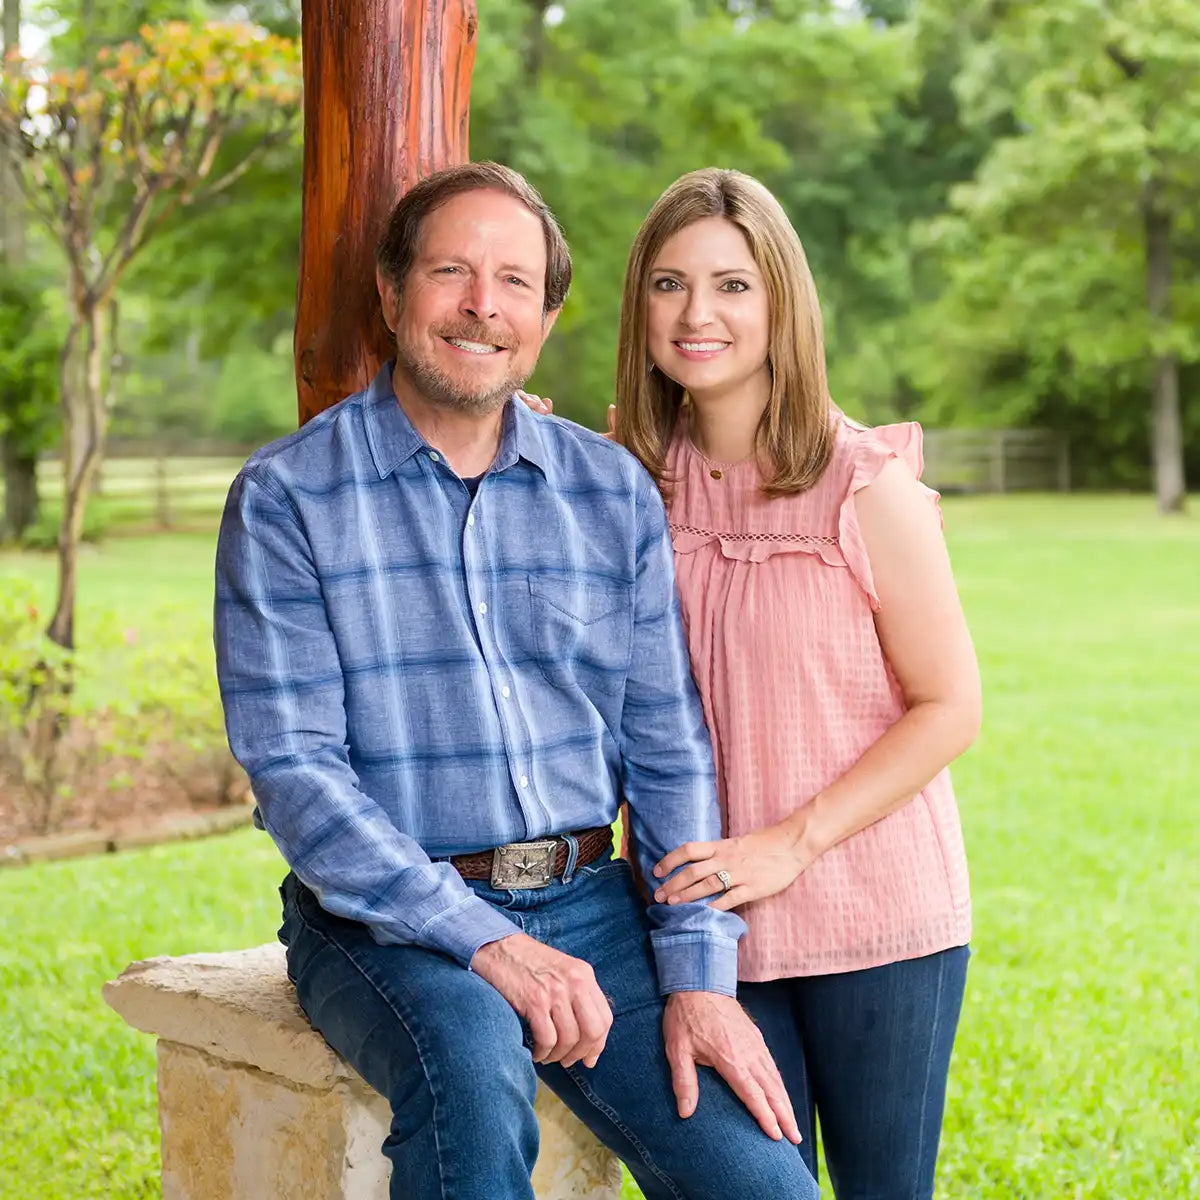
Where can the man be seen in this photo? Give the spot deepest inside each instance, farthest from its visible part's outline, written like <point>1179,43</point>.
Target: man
<point>448,645</point>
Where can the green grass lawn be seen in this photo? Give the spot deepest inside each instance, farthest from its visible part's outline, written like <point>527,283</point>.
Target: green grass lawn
<point>1077,1072</point>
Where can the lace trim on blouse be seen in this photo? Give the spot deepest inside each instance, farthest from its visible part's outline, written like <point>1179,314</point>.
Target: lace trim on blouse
<point>745,536</point>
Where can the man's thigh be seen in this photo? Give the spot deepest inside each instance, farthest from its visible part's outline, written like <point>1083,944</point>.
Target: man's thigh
<point>627,1099</point>
<point>438,1042</point>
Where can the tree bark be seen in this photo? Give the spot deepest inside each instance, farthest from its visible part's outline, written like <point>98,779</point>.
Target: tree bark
<point>83,450</point>
<point>386,97</point>
<point>1167,423</point>
<point>20,490</point>
<point>12,208</point>
<point>20,471</point>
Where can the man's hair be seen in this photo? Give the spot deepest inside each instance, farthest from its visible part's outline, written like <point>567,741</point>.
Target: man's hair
<point>398,247</point>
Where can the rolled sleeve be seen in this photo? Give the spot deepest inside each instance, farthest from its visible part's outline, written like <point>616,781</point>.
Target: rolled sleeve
<point>695,962</point>
<point>465,928</point>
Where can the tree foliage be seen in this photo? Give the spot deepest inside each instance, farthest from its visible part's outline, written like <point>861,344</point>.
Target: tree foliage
<point>110,150</point>
<point>969,177</point>
<point>1045,253</point>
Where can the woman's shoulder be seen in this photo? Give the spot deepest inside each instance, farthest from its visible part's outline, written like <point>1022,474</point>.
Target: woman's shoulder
<point>860,451</point>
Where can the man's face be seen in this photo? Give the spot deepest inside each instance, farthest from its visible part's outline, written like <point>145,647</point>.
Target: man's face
<point>469,319</point>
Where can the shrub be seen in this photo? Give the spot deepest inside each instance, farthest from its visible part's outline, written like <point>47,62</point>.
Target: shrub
<point>128,710</point>
<point>43,534</point>
<point>41,726</point>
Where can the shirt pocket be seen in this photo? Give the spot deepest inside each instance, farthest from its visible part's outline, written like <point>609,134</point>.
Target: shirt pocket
<point>582,631</point>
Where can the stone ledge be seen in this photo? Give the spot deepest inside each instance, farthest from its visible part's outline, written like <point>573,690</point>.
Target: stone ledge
<point>254,1105</point>
<point>237,1006</point>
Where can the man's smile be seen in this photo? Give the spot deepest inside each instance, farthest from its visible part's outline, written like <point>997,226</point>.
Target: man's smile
<point>473,347</point>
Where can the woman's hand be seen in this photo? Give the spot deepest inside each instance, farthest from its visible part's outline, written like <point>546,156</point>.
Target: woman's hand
<point>544,406</point>
<point>758,864</point>
<point>538,404</point>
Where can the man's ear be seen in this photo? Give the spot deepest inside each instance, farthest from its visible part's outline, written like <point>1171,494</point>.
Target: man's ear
<point>548,320</point>
<point>389,298</point>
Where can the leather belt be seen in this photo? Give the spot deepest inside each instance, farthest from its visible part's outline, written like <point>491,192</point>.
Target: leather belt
<point>532,864</point>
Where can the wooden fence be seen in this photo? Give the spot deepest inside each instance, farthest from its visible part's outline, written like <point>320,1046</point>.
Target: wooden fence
<point>142,490</point>
<point>997,460</point>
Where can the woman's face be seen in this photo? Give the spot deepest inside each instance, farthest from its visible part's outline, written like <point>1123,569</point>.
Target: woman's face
<point>708,320</point>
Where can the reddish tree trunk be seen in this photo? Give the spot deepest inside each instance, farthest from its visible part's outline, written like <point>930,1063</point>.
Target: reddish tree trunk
<point>386,94</point>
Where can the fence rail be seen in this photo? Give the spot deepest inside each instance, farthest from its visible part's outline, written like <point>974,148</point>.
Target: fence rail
<point>997,460</point>
<point>186,490</point>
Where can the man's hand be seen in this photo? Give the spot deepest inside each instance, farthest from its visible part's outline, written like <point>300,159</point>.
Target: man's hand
<point>567,1012</point>
<point>709,1030</point>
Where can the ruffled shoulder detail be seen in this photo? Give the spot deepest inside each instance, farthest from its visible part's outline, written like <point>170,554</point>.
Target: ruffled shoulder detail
<point>869,451</point>
<point>756,547</point>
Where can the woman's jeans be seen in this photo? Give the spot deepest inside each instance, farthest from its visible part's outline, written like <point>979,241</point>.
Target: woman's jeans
<point>452,1057</point>
<point>867,1053</point>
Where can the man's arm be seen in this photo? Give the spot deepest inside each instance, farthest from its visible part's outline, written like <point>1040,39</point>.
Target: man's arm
<point>669,782</point>
<point>667,767</point>
<point>283,691</point>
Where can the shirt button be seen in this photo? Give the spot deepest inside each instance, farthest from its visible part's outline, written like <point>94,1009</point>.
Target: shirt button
<point>524,781</point>
<point>470,518</point>
<point>483,610</point>
<point>506,691</point>
<point>434,456</point>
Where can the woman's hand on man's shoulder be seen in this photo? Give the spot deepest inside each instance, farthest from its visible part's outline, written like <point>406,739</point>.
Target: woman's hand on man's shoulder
<point>544,406</point>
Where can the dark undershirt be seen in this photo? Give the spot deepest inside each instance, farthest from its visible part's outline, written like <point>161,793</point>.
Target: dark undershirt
<point>473,483</point>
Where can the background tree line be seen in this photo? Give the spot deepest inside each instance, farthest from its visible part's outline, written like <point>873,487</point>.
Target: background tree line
<point>998,201</point>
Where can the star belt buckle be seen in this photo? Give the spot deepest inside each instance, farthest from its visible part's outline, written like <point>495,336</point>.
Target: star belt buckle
<point>524,864</point>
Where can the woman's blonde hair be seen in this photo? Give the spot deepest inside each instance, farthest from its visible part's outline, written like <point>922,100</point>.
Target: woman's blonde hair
<point>795,436</point>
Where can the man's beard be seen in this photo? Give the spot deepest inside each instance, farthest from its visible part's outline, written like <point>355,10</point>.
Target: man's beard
<point>441,388</point>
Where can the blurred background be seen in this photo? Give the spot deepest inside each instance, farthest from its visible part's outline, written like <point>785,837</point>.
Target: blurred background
<point>999,202</point>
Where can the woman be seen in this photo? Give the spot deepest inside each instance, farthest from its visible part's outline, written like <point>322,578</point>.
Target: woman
<point>836,670</point>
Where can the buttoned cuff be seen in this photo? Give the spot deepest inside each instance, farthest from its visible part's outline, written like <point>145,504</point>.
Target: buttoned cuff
<point>695,962</point>
<point>461,930</point>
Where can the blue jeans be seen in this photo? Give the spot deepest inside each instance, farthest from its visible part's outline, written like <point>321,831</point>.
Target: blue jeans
<point>868,1053</point>
<point>453,1059</point>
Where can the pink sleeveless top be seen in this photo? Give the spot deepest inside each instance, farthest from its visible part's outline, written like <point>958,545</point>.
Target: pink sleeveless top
<point>778,603</point>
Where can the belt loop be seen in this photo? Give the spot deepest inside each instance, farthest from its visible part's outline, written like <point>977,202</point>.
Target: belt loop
<point>572,856</point>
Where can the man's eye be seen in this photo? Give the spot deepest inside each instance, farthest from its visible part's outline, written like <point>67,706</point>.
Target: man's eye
<point>448,270</point>
<point>517,280</point>
<point>735,285</point>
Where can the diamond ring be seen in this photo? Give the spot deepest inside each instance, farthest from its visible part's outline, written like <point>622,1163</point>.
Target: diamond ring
<point>726,881</point>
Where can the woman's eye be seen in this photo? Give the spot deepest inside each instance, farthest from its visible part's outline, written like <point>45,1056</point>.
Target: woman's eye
<point>666,284</point>
<point>735,285</point>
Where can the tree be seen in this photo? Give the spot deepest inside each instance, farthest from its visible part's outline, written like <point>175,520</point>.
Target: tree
<point>110,151</point>
<point>20,426</point>
<point>1063,255</point>
<point>28,394</point>
<point>603,105</point>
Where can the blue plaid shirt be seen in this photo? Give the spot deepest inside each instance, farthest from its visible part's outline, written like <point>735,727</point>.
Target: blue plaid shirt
<point>410,672</point>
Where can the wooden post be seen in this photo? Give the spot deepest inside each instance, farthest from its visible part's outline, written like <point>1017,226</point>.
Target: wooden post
<point>386,100</point>
<point>1064,463</point>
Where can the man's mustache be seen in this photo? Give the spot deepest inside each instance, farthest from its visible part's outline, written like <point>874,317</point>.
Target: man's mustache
<point>478,331</point>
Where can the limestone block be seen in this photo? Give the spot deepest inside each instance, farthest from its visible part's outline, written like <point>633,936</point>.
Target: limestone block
<point>239,1006</point>
<point>232,1132</point>
<point>253,1104</point>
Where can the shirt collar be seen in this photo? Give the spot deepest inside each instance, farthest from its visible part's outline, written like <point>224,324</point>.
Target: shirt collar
<point>394,440</point>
